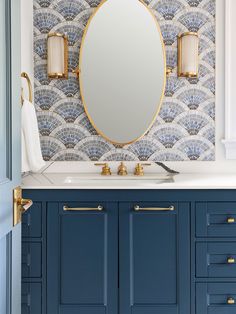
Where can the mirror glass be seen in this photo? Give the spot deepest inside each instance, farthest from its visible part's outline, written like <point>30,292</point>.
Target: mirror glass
<point>122,70</point>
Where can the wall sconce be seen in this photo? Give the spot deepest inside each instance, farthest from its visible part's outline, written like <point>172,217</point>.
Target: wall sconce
<point>57,50</point>
<point>188,54</point>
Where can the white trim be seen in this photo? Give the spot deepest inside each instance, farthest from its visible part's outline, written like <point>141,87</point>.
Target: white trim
<point>230,86</point>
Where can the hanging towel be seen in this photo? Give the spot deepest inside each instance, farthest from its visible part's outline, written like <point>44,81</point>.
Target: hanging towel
<point>24,159</point>
<point>32,159</point>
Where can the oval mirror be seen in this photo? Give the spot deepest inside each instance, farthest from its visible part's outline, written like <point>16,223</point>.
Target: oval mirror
<point>122,70</point>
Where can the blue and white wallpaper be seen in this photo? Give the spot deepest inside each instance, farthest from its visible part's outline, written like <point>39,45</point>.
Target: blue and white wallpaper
<point>185,127</point>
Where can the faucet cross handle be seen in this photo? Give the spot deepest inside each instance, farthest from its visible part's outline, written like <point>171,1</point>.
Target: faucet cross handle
<point>122,170</point>
<point>106,170</point>
<point>139,171</point>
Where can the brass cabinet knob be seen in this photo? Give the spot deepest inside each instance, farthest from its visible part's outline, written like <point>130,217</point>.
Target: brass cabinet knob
<point>106,171</point>
<point>139,171</point>
<point>231,220</point>
<point>231,301</point>
<point>122,170</point>
<point>231,260</point>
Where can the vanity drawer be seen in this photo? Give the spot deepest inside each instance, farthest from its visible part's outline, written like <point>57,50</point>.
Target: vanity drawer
<point>216,259</point>
<point>215,298</point>
<point>31,260</point>
<point>216,219</point>
<point>32,222</point>
<point>31,298</point>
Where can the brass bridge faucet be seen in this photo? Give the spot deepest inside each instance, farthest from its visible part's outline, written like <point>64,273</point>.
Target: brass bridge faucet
<point>139,171</point>
<point>122,170</point>
<point>106,171</point>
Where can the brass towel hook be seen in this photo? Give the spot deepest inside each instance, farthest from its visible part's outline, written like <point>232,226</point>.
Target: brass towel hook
<point>26,76</point>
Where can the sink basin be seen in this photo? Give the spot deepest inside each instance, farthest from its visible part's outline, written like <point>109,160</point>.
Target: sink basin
<point>91,179</point>
<point>115,178</point>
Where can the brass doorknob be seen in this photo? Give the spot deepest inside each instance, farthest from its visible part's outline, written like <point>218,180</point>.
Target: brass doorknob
<point>20,205</point>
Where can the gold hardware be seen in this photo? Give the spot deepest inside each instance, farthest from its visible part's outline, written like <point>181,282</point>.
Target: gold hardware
<point>180,72</point>
<point>231,301</point>
<point>137,208</point>
<point>106,171</point>
<point>169,70</point>
<point>20,205</point>
<point>26,76</point>
<point>63,75</point>
<point>139,171</point>
<point>231,220</point>
<point>99,208</point>
<point>76,71</point>
<point>231,260</point>
<point>81,83</point>
<point>122,170</point>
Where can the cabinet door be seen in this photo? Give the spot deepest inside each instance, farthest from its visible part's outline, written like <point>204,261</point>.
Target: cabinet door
<point>154,258</point>
<point>82,258</point>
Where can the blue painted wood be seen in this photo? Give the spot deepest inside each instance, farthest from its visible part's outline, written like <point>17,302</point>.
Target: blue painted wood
<point>211,298</point>
<point>10,157</point>
<point>31,298</point>
<point>82,259</point>
<point>31,259</point>
<point>131,195</point>
<point>32,221</point>
<point>154,277</point>
<point>212,259</point>
<point>140,250</point>
<point>211,219</point>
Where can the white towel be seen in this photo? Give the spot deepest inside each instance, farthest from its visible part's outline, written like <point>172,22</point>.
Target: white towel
<point>32,159</point>
<point>24,160</point>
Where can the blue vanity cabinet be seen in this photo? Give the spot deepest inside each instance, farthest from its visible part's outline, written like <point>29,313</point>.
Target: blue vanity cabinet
<point>79,258</point>
<point>82,263</point>
<point>154,258</point>
<point>34,259</point>
<point>215,253</point>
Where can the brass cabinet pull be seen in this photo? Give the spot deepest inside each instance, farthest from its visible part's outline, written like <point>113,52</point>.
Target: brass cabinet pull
<point>231,301</point>
<point>231,220</point>
<point>138,208</point>
<point>231,260</point>
<point>99,208</point>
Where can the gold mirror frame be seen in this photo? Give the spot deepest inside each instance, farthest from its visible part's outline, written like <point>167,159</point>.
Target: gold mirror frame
<point>81,85</point>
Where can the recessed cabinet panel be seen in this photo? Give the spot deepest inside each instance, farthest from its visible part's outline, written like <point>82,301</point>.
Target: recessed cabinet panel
<point>213,298</point>
<point>82,258</point>
<point>154,259</point>
<point>31,302</point>
<point>216,219</point>
<point>32,222</point>
<point>216,259</point>
<point>31,260</point>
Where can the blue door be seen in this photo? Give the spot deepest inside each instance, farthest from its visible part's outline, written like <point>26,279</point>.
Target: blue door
<point>154,258</point>
<point>10,236</point>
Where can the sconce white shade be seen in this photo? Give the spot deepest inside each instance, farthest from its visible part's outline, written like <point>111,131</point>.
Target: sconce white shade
<point>188,54</point>
<point>57,50</point>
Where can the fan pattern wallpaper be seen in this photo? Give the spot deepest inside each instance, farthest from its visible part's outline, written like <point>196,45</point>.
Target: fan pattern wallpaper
<point>185,127</point>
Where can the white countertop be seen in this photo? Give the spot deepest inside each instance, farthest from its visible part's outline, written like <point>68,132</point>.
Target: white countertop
<point>181,181</point>
<point>82,175</point>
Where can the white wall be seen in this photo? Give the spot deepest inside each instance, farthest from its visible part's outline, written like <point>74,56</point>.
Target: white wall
<point>27,41</point>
